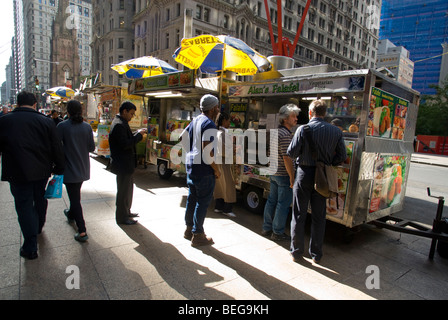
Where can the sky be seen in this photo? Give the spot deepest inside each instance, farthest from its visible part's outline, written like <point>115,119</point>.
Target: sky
<point>6,34</point>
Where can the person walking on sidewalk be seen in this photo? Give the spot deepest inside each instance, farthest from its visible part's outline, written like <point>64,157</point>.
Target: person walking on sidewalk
<point>330,149</point>
<point>31,152</point>
<point>77,141</point>
<point>201,169</point>
<point>123,160</point>
<point>225,192</point>
<point>280,196</point>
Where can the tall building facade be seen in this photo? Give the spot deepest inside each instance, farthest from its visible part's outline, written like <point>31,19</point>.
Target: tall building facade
<point>112,37</point>
<point>336,32</point>
<point>38,17</point>
<point>81,12</point>
<point>65,71</point>
<point>421,26</point>
<point>18,52</point>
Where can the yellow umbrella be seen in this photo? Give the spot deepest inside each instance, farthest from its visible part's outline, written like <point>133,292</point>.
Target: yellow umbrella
<point>63,92</point>
<point>143,67</point>
<point>211,54</point>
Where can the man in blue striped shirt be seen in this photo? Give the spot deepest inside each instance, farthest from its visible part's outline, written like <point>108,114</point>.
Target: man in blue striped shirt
<point>330,147</point>
<point>280,193</point>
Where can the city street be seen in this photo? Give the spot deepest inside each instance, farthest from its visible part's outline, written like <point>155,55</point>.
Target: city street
<point>152,260</point>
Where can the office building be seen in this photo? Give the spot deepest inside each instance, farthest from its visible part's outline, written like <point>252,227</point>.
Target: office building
<point>421,26</point>
<point>38,17</point>
<point>112,37</point>
<point>396,59</point>
<point>18,52</point>
<point>336,32</point>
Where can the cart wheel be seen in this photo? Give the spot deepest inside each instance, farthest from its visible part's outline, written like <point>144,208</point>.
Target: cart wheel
<point>253,199</point>
<point>163,171</point>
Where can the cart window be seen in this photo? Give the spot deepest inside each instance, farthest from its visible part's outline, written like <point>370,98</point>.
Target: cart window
<point>344,111</point>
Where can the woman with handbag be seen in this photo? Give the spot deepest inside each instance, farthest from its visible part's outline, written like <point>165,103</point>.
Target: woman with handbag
<point>77,140</point>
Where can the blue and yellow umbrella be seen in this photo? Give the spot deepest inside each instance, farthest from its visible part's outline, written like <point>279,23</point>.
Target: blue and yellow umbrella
<point>62,92</point>
<point>211,54</point>
<point>143,67</point>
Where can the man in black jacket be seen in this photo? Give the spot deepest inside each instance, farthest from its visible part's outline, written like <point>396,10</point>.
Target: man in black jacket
<point>123,160</point>
<point>31,151</point>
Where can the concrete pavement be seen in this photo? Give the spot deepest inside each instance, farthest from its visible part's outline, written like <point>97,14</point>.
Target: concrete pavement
<point>152,260</point>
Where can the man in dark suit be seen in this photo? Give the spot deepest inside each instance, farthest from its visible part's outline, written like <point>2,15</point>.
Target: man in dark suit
<point>31,151</point>
<point>123,157</point>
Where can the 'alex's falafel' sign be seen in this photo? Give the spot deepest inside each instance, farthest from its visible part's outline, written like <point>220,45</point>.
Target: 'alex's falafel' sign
<point>387,115</point>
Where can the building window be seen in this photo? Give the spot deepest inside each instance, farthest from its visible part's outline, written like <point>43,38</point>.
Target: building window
<point>199,12</point>
<point>120,43</point>
<point>226,22</point>
<point>206,14</point>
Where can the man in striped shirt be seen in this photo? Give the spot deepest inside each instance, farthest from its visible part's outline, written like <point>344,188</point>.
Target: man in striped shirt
<point>330,147</point>
<point>280,194</point>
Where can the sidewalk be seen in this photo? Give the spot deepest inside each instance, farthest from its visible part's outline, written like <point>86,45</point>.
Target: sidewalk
<point>431,159</point>
<point>152,260</point>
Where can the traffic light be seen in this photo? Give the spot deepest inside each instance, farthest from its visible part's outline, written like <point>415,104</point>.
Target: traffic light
<point>36,83</point>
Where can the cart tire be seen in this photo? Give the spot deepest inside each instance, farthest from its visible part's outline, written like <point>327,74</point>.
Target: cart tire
<point>163,171</point>
<point>254,200</point>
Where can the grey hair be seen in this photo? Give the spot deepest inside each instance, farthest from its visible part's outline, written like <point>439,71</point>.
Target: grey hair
<point>286,111</point>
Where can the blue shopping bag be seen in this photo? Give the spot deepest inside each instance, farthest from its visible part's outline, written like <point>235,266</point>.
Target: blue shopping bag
<point>54,187</point>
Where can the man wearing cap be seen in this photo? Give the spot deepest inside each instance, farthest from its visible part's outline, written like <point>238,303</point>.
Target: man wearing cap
<point>201,169</point>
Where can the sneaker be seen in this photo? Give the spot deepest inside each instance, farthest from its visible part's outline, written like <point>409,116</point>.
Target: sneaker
<point>266,233</point>
<point>229,214</point>
<point>280,237</point>
<point>200,239</point>
<point>81,238</point>
<point>217,211</point>
<point>188,234</point>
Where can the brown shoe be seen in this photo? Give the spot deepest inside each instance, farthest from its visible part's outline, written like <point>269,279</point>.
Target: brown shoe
<point>200,239</point>
<point>188,234</point>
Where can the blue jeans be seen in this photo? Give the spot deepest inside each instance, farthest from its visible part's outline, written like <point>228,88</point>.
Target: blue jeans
<point>199,197</point>
<point>305,194</point>
<point>277,206</point>
<point>31,208</point>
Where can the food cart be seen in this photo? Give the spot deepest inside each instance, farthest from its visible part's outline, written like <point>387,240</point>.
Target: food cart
<point>172,101</point>
<point>376,114</point>
<point>103,103</point>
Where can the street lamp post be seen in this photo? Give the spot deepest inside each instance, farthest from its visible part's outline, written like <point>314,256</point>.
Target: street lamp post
<point>36,79</point>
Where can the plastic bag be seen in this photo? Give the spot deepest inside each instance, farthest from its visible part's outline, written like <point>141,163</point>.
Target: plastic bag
<point>54,187</point>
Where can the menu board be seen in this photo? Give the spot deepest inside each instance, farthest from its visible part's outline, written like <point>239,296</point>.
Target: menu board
<point>387,115</point>
<point>388,177</point>
<point>103,140</point>
<point>238,115</point>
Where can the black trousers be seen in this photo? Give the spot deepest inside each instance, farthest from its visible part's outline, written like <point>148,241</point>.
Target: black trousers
<point>31,208</point>
<point>125,191</point>
<point>75,211</point>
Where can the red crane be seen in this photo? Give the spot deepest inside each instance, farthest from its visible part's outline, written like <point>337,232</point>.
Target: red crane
<point>284,47</point>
